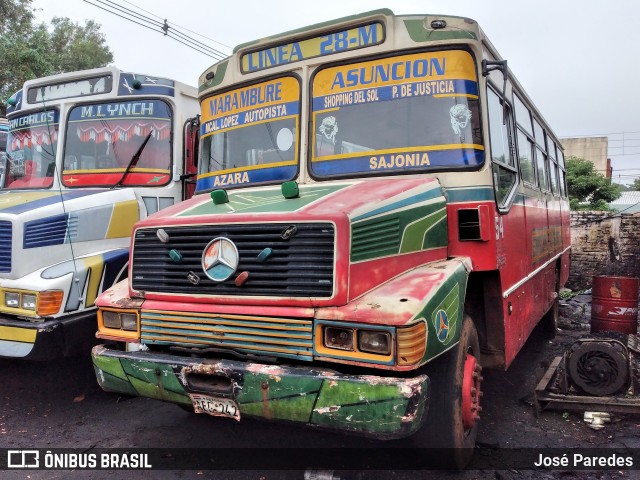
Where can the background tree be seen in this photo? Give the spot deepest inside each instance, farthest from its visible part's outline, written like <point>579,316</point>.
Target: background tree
<point>636,184</point>
<point>588,189</point>
<point>622,187</point>
<point>31,51</point>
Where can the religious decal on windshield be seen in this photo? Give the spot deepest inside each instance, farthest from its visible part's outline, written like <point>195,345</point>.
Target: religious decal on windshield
<point>460,116</point>
<point>329,128</point>
<point>408,113</point>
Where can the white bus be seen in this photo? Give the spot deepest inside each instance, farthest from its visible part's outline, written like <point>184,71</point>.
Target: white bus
<point>88,154</point>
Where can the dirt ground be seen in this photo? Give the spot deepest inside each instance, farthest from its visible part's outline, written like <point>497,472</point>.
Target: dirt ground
<point>509,416</point>
<point>59,405</point>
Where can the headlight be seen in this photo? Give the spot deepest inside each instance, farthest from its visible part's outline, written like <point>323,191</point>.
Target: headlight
<point>129,321</point>
<point>355,342</point>
<point>340,338</point>
<point>120,320</point>
<point>111,319</point>
<point>43,304</point>
<point>29,301</point>
<point>12,299</point>
<point>374,342</point>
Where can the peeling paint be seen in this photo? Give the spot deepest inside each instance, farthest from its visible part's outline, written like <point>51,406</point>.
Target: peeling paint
<point>408,418</point>
<point>272,370</point>
<point>143,369</point>
<point>331,409</point>
<point>118,296</point>
<point>206,368</point>
<point>49,328</point>
<point>99,350</point>
<point>390,407</point>
<point>128,302</point>
<point>408,387</point>
<point>407,390</point>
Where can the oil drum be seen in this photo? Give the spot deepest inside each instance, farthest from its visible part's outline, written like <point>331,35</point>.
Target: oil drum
<point>614,305</point>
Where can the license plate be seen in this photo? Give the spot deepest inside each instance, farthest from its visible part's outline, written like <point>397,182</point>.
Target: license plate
<point>218,407</point>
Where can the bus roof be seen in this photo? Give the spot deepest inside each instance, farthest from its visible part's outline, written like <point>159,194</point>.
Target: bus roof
<point>61,87</point>
<point>419,29</point>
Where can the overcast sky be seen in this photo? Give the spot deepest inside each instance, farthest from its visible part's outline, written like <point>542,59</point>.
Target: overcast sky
<point>575,59</point>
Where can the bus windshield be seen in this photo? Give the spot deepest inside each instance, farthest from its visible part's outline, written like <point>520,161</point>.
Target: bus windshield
<point>406,113</point>
<point>103,138</point>
<point>31,146</point>
<point>250,135</point>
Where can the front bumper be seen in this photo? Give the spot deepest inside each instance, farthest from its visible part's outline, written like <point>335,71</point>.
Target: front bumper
<point>49,339</point>
<point>382,407</point>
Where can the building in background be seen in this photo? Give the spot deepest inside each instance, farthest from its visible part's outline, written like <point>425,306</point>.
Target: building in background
<point>593,149</point>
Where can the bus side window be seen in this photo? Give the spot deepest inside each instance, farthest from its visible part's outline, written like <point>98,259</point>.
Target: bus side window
<point>505,171</point>
<point>541,159</point>
<point>525,157</point>
<point>561,172</point>
<point>553,169</point>
<point>526,150</point>
<point>541,156</point>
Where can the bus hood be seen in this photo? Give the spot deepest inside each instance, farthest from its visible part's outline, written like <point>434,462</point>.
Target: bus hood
<point>334,239</point>
<point>349,200</point>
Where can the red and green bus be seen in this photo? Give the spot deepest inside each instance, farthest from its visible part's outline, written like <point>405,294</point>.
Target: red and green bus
<point>381,212</point>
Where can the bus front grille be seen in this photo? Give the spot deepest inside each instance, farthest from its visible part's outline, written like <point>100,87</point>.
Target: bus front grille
<point>5,246</point>
<point>281,260</point>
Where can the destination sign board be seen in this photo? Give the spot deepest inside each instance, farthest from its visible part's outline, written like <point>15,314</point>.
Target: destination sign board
<point>328,44</point>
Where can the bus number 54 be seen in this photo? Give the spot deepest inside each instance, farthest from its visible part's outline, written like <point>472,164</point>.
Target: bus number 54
<point>499,228</point>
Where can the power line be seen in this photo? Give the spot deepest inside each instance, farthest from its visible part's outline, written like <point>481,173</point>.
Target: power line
<point>184,28</point>
<point>163,26</point>
<point>168,31</point>
<point>157,26</point>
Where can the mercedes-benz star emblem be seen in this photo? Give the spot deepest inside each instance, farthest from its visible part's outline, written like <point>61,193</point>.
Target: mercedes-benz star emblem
<point>220,259</point>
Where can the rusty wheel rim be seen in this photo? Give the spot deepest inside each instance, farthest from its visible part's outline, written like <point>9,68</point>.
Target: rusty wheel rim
<point>471,392</point>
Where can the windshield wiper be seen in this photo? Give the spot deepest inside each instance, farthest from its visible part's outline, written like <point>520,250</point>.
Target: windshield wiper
<point>133,161</point>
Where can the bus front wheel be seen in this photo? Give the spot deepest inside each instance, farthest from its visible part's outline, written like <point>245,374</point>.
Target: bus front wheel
<point>454,407</point>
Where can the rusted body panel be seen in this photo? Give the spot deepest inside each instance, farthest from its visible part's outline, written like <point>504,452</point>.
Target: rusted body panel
<point>400,300</point>
<point>384,407</point>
